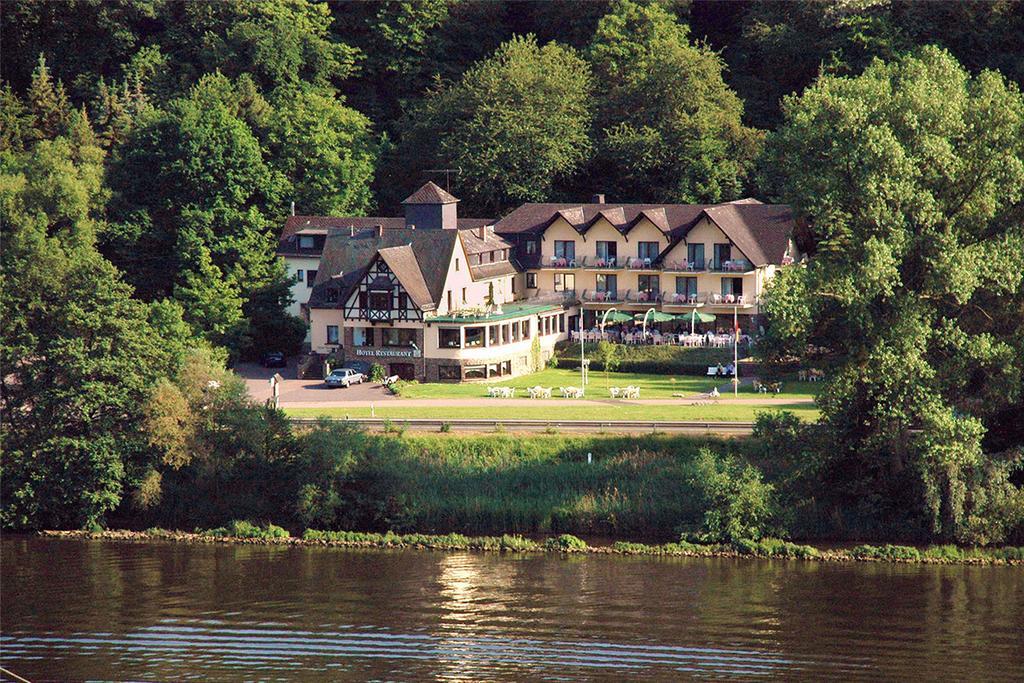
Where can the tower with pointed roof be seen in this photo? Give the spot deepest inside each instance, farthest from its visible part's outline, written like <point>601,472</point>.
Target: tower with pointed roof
<point>431,208</point>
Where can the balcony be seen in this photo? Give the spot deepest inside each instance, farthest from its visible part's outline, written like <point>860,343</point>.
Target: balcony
<point>641,264</point>
<point>561,262</point>
<point>732,266</point>
<point>600,297</point>
<point>602,263</point>
<point>643,297</point>
<point>683,266</point>
<point>707,299</point>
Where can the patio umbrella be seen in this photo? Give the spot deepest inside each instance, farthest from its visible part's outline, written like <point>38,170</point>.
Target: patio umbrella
<point>695,317</point>
<point>656,317</point>
<point>618,317</point>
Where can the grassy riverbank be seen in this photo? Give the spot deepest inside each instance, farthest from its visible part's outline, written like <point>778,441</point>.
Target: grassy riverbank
<point>565,543</point>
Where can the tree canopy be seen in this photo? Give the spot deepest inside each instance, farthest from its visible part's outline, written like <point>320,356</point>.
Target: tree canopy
<point>911,177</point>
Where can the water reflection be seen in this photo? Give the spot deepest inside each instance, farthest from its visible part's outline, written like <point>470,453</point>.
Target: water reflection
<point>164,611</point>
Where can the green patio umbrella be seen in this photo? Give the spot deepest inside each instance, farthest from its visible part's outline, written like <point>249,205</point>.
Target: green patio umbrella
<point>695,317</point>
<point>656,317</point>
<point>616,317</point>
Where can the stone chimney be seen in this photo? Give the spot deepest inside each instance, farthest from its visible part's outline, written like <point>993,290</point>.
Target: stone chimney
<point>482,232</point>
<point>597,199</point>
<point>380,230</point>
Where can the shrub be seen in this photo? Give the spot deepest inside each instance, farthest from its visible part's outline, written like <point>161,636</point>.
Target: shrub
<point>773,547</point>
<point>886,552</point>
<point>566,543</point>
<point>245,529</point>
<point>445,427</point>
<point>737,503</point>
<point>377,373</point>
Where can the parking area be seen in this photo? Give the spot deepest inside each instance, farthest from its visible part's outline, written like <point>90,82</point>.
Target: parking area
<point>294,390</point>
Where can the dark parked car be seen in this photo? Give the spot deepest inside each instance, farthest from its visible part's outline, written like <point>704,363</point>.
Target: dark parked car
<point>274,359</point>
<point>360,366</point>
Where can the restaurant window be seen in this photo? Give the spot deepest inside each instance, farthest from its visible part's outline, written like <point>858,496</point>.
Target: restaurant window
<point>723,253</point>
<point>332,334</point>
<point>606,250</point>
<point>506,334</point>
<point>531,280</point>
<point>310,278</point>
<point>362,336</point>
<point>394,336</point>
<point>565,282</point>
<point>686,286</point>
<point>695,255</point>
<point>561,323</point>
<point>647,250</point>
<point>474,337</point>
<point>526,329</point>
<point>565,249</point>
<point>531,247</point>
<point>493,335</point>
<point>448,337</point>
<point>476,371</point>
<point>449,372</point>
<point>648,283</point>
<point>515,332</point>
<point>506,367</point>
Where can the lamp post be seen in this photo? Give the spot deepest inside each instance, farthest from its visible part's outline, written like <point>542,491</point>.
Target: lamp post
<point>735,352</point>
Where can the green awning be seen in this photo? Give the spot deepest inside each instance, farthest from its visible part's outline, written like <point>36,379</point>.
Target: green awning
<point>656,317</point>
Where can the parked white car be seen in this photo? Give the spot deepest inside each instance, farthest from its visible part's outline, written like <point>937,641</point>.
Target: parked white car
<point>344,377</point>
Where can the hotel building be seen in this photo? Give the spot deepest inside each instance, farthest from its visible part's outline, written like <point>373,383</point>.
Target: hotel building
<point>437,298</point>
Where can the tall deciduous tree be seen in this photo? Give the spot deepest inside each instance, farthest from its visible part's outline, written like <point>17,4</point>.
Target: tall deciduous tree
<point>910,176</point>
<point>514,124</point>
<point>669,128</point>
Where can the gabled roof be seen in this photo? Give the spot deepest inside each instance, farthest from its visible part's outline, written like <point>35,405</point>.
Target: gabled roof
<point>324,225</point>
<point>347,257</point>
<point>402,262</point>
<point>473,244</point>
<point>430,194</point>
<point>761,231</point>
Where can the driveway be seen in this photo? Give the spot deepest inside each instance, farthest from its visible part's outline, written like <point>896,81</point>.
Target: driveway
<point>306,391</point>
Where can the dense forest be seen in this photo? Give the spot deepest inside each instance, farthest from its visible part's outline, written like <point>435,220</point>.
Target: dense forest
<point>150,150</point>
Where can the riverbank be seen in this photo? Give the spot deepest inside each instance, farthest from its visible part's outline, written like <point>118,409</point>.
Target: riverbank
<point>763,549</point>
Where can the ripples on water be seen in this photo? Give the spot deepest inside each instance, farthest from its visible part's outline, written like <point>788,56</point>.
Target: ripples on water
<point>75,609</point>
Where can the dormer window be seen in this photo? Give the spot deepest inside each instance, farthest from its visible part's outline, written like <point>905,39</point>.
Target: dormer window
<point>531,247</point>
<point>306,242</point>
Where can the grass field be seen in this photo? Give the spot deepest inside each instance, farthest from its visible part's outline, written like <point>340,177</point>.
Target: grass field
<point>651,386</point>
<point>721,411</point>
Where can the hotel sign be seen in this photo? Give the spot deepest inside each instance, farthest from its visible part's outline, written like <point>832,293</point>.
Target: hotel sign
<point>389,353</point>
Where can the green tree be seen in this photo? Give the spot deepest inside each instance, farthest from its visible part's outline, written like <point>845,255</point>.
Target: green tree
<point>326,457</point>
<point>325,150</point>
<point>608,356</point>
<point>910,177</point>
<point>737,503</point>
<point>193,198</point>
<point>514,124</point>
<point>669,128</point>
<point>48,103</point>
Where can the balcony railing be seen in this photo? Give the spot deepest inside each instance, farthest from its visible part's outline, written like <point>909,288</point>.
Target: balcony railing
<point>684,266</point>
<point>707,299</point>
<point>638,263</point>
<point>731,266</point>
<point>595,296</point>
<point>561,262</point>
<point>643,297</point>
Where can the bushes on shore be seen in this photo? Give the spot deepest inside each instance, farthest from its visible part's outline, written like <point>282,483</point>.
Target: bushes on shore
<point>244,529</point>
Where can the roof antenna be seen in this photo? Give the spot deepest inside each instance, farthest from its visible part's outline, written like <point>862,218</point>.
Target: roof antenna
<point>447,175</point>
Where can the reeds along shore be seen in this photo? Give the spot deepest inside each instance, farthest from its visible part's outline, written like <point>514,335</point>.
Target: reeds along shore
<point>566,543</point>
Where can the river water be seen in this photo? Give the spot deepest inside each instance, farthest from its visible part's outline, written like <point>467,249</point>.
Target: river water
<point>76,609</point>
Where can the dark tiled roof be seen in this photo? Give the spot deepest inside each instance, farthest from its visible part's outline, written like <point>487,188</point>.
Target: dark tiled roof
<point>402,262</point>
<point>489,270</point>
<point>472,244</point>
<point>349,256</point>
<point>289,243</point>
<point>761,231</point>
<point>430,194</point>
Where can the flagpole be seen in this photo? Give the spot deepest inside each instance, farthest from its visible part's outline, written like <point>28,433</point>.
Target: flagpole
<point>735,353</point>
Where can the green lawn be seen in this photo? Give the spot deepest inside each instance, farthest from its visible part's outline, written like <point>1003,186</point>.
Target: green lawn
<point>651,386</point>
<point>721,411</point>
